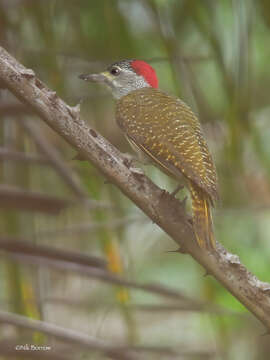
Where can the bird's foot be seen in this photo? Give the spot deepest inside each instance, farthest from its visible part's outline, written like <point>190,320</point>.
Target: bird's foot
<point>137,171</point>
<point>179,187</point>
<point>129,161</point>
<point>184,202</point>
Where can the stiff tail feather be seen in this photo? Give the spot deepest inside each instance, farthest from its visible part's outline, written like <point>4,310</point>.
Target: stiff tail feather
<point>202,219</point>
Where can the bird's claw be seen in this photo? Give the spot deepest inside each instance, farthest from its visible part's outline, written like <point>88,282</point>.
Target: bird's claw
<point>137,171</point>
<point>184,202</point>
<point>128,159</point>
<point>179,187</point>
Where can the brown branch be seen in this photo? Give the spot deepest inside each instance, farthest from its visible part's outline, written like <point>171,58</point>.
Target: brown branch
<point>117,352</point>
<point>12,197</point>
<point>76,266</point>
<point>14,109</point>
<point>12,155</point>
<point>163,209</point>
<point>169,306</point>
<point>67,335</point>
<point>78,229</point>
<point>18,246</point>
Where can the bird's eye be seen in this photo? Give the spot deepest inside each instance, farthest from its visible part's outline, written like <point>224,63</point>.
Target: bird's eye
<point>115,71</point>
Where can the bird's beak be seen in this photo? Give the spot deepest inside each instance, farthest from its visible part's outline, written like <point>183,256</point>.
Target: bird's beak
<point>101,77</point>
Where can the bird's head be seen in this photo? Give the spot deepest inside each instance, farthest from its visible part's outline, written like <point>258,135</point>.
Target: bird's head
<point>125,76</point>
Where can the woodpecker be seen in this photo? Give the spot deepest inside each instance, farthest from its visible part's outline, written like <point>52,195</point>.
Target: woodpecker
<point>164,129</point>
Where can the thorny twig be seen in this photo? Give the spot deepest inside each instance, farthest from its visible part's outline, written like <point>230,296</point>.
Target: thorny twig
<point>163,209</point>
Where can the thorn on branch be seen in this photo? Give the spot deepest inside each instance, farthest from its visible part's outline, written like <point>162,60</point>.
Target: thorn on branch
<point>179,188</point>
<point>174,251</point>
<point>69,109</point>
<point>39,84</point>
<point>138,173</point>
<point>52,97</point>
<point>28,73</point>
<point>233,259</point>
<point>266,333</point>
<point>207,273</point>
<point>77,109</point>
<point>182,250</point>
<point>79,157</point>
<point>93,133</point>
<point>74,111</point>
<point>184,202</point>
<point>264,286</point>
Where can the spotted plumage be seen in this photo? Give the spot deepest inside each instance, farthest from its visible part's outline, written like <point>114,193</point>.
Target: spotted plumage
<point>165,129</point>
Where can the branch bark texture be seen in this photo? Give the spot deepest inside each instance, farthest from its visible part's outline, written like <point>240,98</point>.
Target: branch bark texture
<point>166,211</point>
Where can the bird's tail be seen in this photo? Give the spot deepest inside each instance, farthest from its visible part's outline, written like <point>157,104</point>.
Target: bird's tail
<point>202,220</point>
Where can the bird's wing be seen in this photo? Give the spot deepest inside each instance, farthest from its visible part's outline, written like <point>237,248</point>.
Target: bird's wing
<point>166,130</point>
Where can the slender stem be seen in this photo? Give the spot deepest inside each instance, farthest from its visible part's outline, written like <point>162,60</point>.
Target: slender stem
<point>162,208</point>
